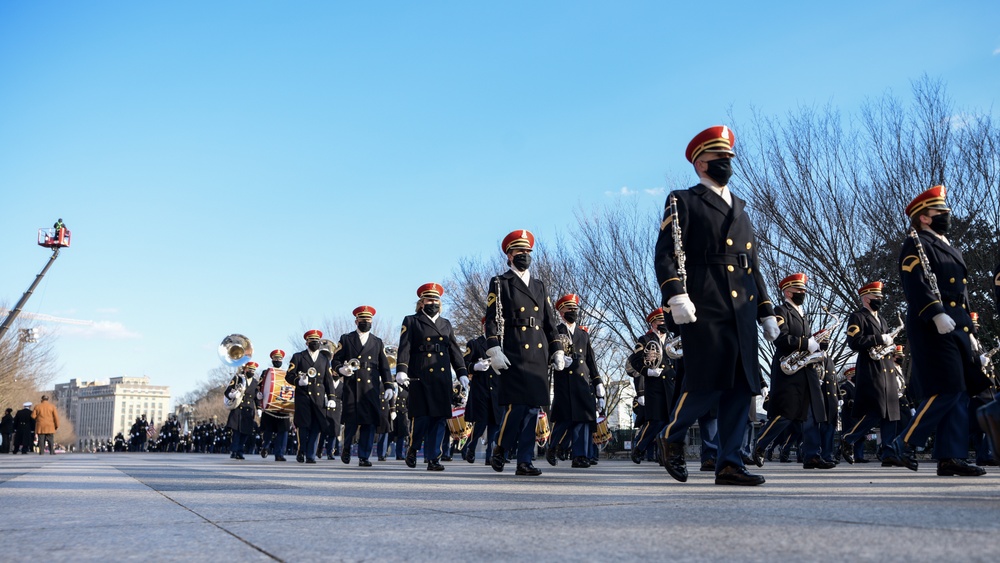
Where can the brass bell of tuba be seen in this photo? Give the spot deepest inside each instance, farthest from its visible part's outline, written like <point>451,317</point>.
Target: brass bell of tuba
<point>390,353</point>
<point>235,350</point>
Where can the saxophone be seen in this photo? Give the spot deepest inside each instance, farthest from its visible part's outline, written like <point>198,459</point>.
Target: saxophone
<point>880,351</point>
<point>801,358</point>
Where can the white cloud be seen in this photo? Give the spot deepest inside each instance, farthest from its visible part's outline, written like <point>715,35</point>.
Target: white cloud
<point>656,191</point>
<point>624,191</point>
<point>102,330</point>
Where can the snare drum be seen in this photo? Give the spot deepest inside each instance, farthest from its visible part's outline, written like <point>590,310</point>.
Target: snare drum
<point>457,427</point>
<point>542,428</point>
<point>279,396</point>
<point>603,434</point>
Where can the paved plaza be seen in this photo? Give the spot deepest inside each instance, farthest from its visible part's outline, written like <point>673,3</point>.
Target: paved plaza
<point>199,507</point>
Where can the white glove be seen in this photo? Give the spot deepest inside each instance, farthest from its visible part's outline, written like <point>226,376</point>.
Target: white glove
<point>886,339</point>
<point>388,395</point>
<point>600,403</point>
<point>402,378</point>
<point>498,358</point>
<point>481,365</point>
<point>464,380</point>
<point>682,309</point>
<point>232,394</point>
<point>392,415</point>
<point>913,412</point>
<point>344,370</point>
<point>944,323</point>
<point>984,360</point>
<point>771,330</point>
<point>331,404</point>
<point>641,401</point>
<point>813,345</point>
<point>975,342</point>
<point>303,380</point>
<point>599,391</point>
<point>840,403</point>
<point>654,372</point>
<point>559,360</point>
<point>260,413</point>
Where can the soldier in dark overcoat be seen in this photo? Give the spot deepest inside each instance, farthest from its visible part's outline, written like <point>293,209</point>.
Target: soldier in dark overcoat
<point>947,362</point>
<point>428,353</point>
<point>311,372</point>
<point>367,383</point>
<point>876,398</point>
<point>657,372</point>
<point>706,264</point>
<point>482,410</point>
<point>520,329</point>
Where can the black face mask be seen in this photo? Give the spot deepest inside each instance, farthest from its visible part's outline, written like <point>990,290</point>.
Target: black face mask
<point>720,170</point>
<point>662,328</point>
<point>313,345</point>
<point>941,223</point>
<point>276,363</point>
<point>875,304</point>
<point>364,326</point>
<point>798,298</point>
<point>571,316</point>
<point>522,261</point>
<point>432,309</point>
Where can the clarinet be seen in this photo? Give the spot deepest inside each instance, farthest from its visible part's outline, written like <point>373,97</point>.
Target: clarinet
<point>925,264</point>
<point>499,315</point>
<point>675,230</point>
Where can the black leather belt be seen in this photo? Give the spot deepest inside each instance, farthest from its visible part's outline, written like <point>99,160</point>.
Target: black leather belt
<point>429,348</point>
<point>741,260</point>
<point>530,321</point>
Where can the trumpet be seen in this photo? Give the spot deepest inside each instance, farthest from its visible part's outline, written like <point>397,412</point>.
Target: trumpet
<point>353,364</point>
<point>673,347</point>
<point>311,373</point>
<point>801,358</point>
<point>882,350</point>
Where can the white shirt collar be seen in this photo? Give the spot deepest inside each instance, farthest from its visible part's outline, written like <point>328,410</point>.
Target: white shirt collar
<point>363,336</point>
<point>721,191</point>
<point>312,354</point>
<point>797,308</point>
<point>570,327</point>
<point>434,318</point>
<point>525,275</point>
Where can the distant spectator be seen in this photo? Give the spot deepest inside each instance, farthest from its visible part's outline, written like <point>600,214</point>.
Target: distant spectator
<point>46,424</point>
<point>59,225</point>
<point>24,430</point>
<point>6,431</point>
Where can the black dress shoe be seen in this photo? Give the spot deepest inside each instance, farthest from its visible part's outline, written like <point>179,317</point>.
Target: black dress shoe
<point>817,463</point>
<point>593,461</point>
<point>784,459</point>
<point>411,458</point>
<point>550,455</point>
<point>746,459</point>
<point>310,461</point>
<point>732,475</point>
<point>364,463</point>
<point>527,469</point>
<point>847,452</point>
<point>263,453</point>
<point>232,455</point>
<point>581,462</point>
<point>469,454</point>
<point>497,460</point>
<point>280,458</point>
<point>708,465</point>
<point>433,465</point>
<point>381,458</point>
<point>345,458</point>
<point>901,455</point>
<point>673,459</point>
<point>301,458</point>
<point>446,458</point>
<point>758,457</point>
<point>636,456</point>
<point>958,468</point>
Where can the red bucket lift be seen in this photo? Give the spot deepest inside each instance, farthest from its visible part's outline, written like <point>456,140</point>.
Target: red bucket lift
<point>53,238</point>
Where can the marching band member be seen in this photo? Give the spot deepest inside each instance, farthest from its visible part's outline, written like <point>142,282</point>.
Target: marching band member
<point>576,388</point>
<point>876,398</point>
<point>980,441</point>
<point>947,364</point>
<point>311,372</point>
<point>657,397</point>
<point>796,397</point>
<point>240,419</point>
<point>831,402</point>
<point>483,407</point>
<point>428,350</point>
<point>706,265</point>
<point>361,406</point>
<point>848,391</point>
<point>273,427</point>
<point>520,328</point>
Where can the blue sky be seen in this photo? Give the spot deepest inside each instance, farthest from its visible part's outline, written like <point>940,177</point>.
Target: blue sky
<point>258,167</point>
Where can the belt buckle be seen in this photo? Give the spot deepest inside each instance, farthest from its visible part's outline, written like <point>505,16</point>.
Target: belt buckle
<point>744,260</point>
